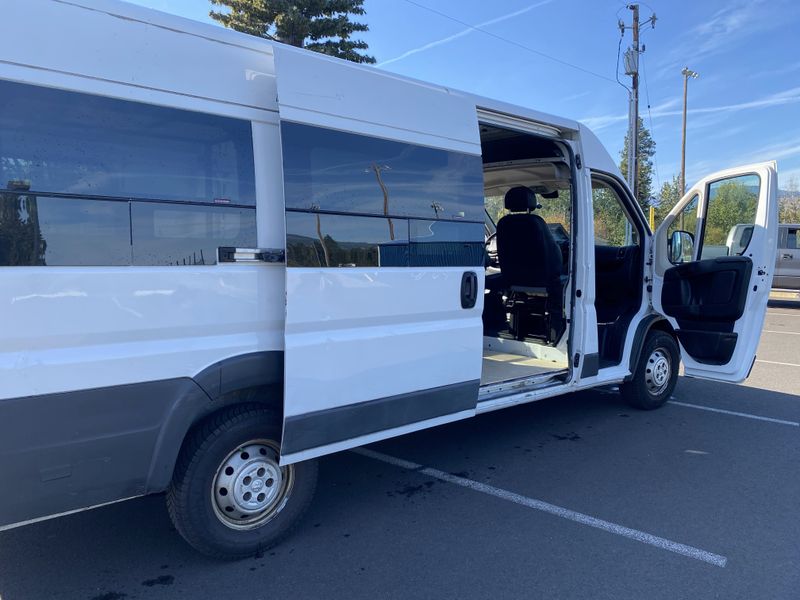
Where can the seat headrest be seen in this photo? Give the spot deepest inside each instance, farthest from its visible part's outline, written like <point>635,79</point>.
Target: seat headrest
<point>520,199</point>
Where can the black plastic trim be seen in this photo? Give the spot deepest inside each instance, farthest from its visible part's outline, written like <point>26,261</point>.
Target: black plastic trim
<point>591,365</point>
<point>324,427</point>
<point>642,329</point>
<point>71,450</point>
<point>241,372</point>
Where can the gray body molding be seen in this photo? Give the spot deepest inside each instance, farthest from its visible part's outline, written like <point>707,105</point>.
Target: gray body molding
<point>72,450</point>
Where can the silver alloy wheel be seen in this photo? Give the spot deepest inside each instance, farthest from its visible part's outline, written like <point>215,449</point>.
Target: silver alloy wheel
<point>658,371</point>
<point>249,488</point>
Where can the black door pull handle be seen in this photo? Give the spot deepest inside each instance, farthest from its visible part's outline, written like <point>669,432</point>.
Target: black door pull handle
<point>469,289</point>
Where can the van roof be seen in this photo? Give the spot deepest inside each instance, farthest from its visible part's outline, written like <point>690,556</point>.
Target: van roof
<point>224,35</point>
<point>595,155</point>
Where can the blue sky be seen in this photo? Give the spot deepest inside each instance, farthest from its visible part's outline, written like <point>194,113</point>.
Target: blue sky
<point>745,106</point>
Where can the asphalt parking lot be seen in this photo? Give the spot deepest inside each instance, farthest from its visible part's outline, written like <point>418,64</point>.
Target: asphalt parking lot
<point>574,497</point>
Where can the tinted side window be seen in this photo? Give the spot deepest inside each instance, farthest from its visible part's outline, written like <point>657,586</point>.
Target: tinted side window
<point>334,171</point>
<point>177,234</point>
<point>67,142</point>
<point>45,231</point>
<point>438,243</point>
<point>323,240</point>
<point>793,239</point>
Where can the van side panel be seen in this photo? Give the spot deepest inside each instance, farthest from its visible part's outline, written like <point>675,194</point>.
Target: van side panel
<point>65,451</point>
<point>104,368</point>
<point>74,328</point>
<point>70,450</point>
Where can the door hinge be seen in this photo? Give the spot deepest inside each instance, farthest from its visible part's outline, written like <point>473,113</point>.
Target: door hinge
<point>578,162</point>
<point>576,360</point>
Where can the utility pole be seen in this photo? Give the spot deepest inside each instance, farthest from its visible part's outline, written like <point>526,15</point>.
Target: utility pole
<point>632,69</point>
<point>633,157</point>
<point>686,74</point>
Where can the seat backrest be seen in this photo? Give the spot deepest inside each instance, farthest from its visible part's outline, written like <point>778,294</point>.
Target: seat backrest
<point>526,250</point>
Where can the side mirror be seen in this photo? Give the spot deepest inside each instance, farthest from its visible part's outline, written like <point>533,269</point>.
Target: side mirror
<point>681,247</point>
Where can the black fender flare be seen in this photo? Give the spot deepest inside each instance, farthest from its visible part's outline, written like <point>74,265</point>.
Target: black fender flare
<point>217,386</point>
<point>647,323</point>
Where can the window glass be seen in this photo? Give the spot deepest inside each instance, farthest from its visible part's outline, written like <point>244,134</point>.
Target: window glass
<point>792,239</point>
<point>343,172</point>
<point>730,215</point>
<point>610,219</point>
<point>686,220</point>
<point>178,234</point>
<point>44,231</point>
<point>66,142</point>
<point>446,243</point>
<point>323,240</point>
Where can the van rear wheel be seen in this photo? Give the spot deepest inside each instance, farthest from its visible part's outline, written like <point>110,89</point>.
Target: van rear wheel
<point>656,373</point>
<point>229,497</point>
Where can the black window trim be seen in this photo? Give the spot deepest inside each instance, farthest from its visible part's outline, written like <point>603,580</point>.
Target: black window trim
<point>373,215</point>
<point>68,196</point>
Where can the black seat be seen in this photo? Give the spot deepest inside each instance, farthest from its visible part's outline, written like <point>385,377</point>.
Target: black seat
<point>531,267</point>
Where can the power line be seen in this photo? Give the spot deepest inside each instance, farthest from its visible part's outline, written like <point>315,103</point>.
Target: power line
<point>650,119</point>
<point>512,42</point>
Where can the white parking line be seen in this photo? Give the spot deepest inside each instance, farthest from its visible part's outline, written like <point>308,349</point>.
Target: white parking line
<point>774,362</point>
<point>784,332</point>
<point>564,513</point>
<point>735,414</point>
<point>782,314</point>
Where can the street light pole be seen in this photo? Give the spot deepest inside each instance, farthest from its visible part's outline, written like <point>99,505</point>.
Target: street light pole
<point>686,74</point>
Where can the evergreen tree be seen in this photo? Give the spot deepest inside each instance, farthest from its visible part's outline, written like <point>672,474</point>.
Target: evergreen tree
<point>646,151</point>
<point>321,25</point>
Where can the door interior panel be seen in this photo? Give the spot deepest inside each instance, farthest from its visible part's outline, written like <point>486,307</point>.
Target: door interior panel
<point>707,297</point>
<point>617,277</point>
<point>618,291</point>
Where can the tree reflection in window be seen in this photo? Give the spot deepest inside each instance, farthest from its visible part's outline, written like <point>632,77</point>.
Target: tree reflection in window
<point>21,241</point>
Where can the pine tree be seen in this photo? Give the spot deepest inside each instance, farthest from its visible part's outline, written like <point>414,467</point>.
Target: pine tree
<point>646,151</point>
<point>321,25</point>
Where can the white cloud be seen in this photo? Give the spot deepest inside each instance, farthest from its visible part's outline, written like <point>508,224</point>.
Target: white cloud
<point>462,33</point>
<point>790,96</point>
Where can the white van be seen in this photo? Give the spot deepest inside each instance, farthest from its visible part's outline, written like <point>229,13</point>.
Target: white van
<point>221,258</point>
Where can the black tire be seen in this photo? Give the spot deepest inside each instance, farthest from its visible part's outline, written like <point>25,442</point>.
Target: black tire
<point>650,388</point>
<point>195,508</point>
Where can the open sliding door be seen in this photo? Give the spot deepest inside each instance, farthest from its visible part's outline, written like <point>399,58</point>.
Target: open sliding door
<point>384,246</point>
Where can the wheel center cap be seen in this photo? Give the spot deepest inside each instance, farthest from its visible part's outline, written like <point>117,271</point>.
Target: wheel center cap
<point>257,485</point>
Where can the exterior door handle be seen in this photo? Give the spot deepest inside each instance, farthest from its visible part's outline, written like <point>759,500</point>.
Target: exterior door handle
<point>469,289</point>
<point>787,256</point>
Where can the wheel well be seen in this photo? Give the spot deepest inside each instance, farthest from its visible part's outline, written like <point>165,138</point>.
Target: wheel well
<point>265,396</point>
<point>190,413</point>
<point>663,325</point>
<point>653,322</point>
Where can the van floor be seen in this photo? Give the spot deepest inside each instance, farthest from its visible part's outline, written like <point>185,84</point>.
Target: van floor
<point>501,366</point>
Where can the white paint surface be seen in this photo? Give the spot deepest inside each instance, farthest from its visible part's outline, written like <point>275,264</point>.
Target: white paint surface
<point>363,333</point>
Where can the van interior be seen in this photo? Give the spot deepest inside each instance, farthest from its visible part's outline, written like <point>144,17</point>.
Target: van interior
<point>528,202</point>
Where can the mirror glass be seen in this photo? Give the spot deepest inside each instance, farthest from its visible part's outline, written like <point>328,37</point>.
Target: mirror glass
<point>681,247</point>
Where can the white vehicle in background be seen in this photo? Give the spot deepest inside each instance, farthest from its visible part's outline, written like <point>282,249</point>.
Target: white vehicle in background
<point>222,257</point>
